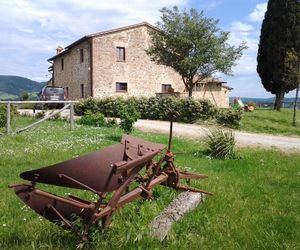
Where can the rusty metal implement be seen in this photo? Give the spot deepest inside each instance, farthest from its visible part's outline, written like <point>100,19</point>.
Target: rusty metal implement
<point>116,175</point>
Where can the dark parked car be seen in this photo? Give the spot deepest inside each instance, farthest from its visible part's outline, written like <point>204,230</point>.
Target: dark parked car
<point>52,93</point>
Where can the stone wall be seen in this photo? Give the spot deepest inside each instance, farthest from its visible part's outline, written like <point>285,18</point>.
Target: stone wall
<point>143,77</point>
<point>216,93</point>
<point>75,72</point>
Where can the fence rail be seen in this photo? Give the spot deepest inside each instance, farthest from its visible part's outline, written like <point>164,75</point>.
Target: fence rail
<point>69,104</point>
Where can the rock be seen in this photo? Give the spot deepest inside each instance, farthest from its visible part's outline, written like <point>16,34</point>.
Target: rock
<point>184,203</point>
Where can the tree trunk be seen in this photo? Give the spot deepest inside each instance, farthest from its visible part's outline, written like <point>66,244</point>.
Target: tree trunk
<point>190,91</point>
<point>278,100</point>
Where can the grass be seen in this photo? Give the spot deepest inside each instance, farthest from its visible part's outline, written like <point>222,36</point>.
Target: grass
<point>255,206</point>
<point>270,121</point>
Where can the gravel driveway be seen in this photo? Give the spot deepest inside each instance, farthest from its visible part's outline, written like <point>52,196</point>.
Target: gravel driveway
<point>243,139</point>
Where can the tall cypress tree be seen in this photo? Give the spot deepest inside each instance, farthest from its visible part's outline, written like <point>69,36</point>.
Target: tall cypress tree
<point>280,36</point>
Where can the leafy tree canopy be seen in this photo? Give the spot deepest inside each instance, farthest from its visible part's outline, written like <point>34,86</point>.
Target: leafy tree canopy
<point>192,45</point>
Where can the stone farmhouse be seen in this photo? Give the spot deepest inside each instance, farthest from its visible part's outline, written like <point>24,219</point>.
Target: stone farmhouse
<point>114,63</point>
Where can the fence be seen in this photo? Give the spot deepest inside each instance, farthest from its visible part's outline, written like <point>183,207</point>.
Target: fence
<point>68,104</point>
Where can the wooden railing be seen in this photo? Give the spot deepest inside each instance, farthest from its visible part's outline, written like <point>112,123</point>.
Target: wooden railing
<point>68,104</point>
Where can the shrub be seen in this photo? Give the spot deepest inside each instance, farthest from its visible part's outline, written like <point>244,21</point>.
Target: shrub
<point>253,104</point>
<point>84,105</point>
<point>13,112</point>
<point>40,115</point>
<point>221,144</point>
<point>111,122</point>
<point>56,117</point>
<point>2,116</point>
<point>229,117</point>
<point>141,105</point>
<point>154,108</point>
<point>128,115</point>
<point>191,110</point>
<point>92,119</point>
<point>110,106</point>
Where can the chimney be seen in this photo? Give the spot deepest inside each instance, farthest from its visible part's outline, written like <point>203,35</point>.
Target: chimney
<point>59,49</point>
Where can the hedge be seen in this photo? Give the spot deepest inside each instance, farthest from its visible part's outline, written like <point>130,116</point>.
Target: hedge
<point>155,108</point>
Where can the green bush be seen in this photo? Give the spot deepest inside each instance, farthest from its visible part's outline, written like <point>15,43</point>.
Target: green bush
<point>154,108</point>
<point>111,122</point>
<point>128,115</point>
<point>13,112</point>
<point>221,144</point>
<point>84,105</point>
<point>56,117</point>
<point>2,116</point>
<point>229,117</point>
<point>40,115</point>
<point>191,110</point>
<point>92,119</point>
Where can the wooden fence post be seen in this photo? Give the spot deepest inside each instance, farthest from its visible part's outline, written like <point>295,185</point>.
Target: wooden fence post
<point>8,129</point>
<point>72,115</point>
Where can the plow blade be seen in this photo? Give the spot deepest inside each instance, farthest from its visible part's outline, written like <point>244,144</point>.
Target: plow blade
<point>116,175</point>
<point>54,208</point>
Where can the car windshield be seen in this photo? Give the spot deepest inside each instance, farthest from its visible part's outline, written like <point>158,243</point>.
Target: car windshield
<point>52,91</point>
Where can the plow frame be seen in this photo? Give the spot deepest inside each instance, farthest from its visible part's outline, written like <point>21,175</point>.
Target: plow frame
<point>137,157</point>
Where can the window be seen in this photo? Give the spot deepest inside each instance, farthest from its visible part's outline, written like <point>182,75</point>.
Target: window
<point>81,55</point>
<point>121,86</point>
<point>62,64</point>
<point>120,54</point>
<point>166,88</point>
<point>82,90</point>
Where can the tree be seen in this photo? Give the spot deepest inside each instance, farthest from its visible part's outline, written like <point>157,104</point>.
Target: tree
<point>292,74</point>
<point>280,36</point>
<point>24,96</point>
<point>192,45</point>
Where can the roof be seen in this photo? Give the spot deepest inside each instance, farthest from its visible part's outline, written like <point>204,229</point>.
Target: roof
<point>102,33</point>
<point>215,80</point>
<point>227,87</point>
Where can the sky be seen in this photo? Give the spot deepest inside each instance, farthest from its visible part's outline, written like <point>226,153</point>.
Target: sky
<point>31,30</point>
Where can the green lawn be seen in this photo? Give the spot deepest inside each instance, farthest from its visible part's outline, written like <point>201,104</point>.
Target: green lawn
<point>270,121</point>
<point>255,206</point>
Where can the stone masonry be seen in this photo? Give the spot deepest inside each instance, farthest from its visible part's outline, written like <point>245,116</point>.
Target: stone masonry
<point>100,71</point>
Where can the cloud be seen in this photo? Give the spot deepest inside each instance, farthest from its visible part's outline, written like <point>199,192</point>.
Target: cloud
<point>257,15</point>
<point>210,4</point>
<point>241,27</point>
<point>33,29</point>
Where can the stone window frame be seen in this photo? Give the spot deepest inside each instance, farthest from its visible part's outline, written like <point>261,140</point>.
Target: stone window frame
<point>165,88</point>
<point>81,55</point>
<point>62,64</point>
<point>120,54</point>
<point>121,87</point>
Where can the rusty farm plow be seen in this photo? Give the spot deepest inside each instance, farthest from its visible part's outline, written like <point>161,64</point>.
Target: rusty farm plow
<point>117,175</point>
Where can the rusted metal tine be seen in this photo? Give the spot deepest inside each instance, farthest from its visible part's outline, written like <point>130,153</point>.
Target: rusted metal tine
<point>188,175</point>
<point>187,188</point>
<point>170,135</point>
<point>67,223</point>
<point>79,183</point>
<point>65,200</point>
<point>131,196</point>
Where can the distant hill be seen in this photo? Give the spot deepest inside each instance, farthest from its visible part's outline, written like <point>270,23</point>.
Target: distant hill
<point>12,86</point>
<point>261,100</point>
